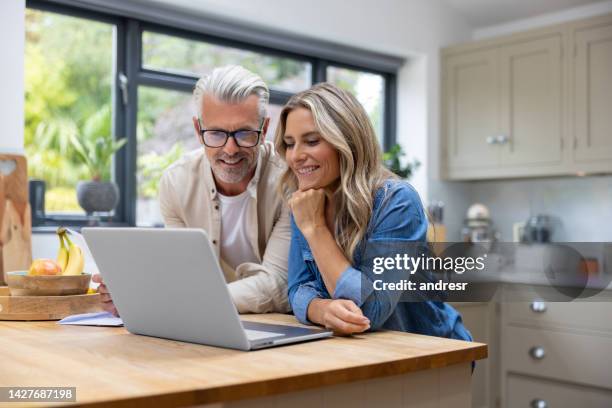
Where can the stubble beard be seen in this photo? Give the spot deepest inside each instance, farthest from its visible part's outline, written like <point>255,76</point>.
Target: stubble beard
<point>234,174</point>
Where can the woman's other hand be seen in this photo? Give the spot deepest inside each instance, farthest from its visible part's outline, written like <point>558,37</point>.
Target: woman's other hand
<point>342,316</point>
<point>308,208</point>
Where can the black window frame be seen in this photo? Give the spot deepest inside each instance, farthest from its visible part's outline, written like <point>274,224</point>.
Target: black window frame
<point>128,61</point>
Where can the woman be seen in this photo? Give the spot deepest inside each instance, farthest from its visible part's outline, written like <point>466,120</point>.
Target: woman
<point>343,201</point>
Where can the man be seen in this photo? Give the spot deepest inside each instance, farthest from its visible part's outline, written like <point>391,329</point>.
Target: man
<point>229,189</point>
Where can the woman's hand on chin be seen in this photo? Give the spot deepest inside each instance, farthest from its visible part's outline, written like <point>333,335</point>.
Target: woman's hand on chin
<point>308,208</point>
<point>342,316</point>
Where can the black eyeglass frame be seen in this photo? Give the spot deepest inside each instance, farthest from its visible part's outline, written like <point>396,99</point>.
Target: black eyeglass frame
<point>231,134</point>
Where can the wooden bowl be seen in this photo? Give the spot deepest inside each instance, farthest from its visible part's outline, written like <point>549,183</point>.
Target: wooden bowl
<point>22,284</point>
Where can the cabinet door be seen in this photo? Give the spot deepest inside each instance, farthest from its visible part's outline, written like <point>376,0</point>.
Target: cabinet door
<point>471,109</point>
<point>481,320</point>
<point>531,102</point>
<point>593,93</point>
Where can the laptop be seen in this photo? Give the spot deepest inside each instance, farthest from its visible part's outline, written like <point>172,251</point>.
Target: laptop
<point>167,283</point>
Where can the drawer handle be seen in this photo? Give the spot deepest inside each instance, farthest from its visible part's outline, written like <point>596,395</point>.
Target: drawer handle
<point>538,306</point>
<point>502,139</point>
<point>497,139</point>
<point>539,403</point>
<point>537,352</point>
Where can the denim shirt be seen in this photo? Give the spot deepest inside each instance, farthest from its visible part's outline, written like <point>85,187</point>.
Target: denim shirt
<point>397,217</point>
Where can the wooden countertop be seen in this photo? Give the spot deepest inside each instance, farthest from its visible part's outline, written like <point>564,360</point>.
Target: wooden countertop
<point>114,368</point>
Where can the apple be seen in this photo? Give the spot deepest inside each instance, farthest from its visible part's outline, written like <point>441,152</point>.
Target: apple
<point>45,267</point>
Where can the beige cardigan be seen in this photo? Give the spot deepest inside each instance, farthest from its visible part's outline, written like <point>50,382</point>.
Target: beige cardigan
<point>188,198</point>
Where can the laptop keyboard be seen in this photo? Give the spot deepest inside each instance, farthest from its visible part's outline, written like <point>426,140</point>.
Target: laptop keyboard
<point>258,335</point>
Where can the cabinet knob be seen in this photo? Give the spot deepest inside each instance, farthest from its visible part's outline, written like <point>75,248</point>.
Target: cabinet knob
<point>539,403</point>
<point>538,306</point>
<point>537,352</point>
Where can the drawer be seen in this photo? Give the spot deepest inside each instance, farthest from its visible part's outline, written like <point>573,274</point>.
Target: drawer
<point>580,358</point>
<point>577,315</point>
<point>526,392</point>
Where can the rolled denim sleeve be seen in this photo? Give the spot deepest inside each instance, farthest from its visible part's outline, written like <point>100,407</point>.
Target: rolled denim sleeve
<point>377,306</point>
<point>350,286</point>
<point>301,299</point>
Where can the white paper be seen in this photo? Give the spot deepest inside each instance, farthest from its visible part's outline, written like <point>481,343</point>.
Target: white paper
<point>93,319</point>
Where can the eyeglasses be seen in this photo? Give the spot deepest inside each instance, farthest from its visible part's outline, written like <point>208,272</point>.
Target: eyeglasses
<point>218,138</point>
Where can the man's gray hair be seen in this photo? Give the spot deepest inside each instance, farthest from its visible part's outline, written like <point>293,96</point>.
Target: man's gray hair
<point>233,84</point>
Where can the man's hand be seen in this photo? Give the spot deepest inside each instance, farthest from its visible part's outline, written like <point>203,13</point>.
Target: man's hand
<point>342,316</point>
<point>308,209</point>
<point>105,298</point>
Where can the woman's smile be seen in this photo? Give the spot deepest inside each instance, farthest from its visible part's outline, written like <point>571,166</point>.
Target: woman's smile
<point>306,170</point>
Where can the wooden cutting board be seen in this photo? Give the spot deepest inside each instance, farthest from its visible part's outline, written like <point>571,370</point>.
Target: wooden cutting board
<point>15,215</point>
<point>45,307</point>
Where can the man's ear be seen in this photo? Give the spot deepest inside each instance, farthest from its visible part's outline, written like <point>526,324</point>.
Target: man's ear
<point>264,129</point>
<point>196,127</point>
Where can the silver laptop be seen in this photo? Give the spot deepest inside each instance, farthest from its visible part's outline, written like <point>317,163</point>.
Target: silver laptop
<point>167,283</point>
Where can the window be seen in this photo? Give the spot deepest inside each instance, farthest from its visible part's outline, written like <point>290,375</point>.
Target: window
<point>125,77</point>
<point>369,90</point>
<point>177,55</point>
<point>274,111</point>
<point>68,92</point>
<point>164,134</point>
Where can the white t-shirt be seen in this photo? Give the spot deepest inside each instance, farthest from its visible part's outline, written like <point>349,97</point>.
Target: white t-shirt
<point>235,246</point>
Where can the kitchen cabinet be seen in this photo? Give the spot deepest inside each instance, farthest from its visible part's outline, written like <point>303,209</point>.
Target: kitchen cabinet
<point>592,87</point>
<point>554,354</point>
<point>541,354</point>
<point>524,106</point>
<point>482,320</point>
<point>472,106</point>
<point>530,103</point>
<point>524,392</point>
<point>548,353</point>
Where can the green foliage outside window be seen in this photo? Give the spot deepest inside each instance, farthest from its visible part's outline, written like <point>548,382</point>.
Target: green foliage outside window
<point>67,82</point>
<point>96,146</point>
<point>179,55</point>
<point>392,159</point>
<point>151,166</point>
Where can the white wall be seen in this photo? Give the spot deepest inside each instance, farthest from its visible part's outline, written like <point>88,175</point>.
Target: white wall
<point>581,205</point>
<point>12,40</point>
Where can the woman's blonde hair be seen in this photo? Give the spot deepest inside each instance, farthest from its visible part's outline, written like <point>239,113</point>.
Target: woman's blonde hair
<point>342,121</point>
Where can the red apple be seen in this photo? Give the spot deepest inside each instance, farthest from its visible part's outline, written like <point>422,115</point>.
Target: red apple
<point>45,267</point>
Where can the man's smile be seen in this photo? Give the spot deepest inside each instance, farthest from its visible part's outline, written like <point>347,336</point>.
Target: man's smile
<point>231,162</point>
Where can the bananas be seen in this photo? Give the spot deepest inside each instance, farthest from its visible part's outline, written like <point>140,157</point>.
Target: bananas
<point>70,256</point>
<point>62,254</point>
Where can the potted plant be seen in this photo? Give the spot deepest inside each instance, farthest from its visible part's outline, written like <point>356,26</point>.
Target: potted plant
<point>392,160</point>
<point>96,150</point>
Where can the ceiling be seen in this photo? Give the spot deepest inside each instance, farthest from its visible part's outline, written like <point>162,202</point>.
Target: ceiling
<point>483,13</point>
